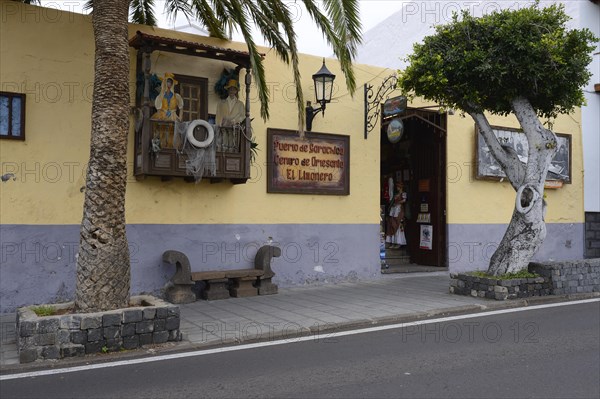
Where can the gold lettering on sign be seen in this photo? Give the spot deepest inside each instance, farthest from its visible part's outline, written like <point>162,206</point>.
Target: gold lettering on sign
<point>317,163</point>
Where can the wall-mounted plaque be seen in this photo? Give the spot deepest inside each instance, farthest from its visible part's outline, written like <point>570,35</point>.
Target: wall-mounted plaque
<point>488,169</point>
<point>394,106</point>
<point>316,164</point>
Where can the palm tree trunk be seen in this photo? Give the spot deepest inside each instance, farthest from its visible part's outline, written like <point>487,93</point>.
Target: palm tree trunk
<point>103,269</point>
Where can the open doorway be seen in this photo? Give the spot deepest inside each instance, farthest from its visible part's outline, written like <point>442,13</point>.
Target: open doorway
<point>413,194</point>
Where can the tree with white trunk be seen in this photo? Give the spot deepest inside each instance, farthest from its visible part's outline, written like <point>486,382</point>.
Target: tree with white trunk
<point>525,62</point>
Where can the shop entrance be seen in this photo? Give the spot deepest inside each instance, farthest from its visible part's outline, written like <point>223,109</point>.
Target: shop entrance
<point>413,215</point>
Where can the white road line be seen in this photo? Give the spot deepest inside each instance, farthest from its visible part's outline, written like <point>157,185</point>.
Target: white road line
<point>285,341</point>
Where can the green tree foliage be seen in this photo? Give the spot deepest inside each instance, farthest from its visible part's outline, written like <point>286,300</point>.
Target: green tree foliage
<point>482,64</point>
<point>524,62</point>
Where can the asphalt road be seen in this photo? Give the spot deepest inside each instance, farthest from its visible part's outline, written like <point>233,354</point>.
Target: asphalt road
<point>545,353</point>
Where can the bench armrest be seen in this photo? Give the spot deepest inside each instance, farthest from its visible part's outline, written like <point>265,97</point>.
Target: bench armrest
<point>262,261</point>
<point>183,272</point>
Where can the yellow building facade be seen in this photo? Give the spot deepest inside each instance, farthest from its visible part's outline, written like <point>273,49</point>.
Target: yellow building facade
<point>48,56</point>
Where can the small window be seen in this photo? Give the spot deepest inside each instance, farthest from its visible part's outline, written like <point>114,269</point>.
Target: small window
<point>12,116</point>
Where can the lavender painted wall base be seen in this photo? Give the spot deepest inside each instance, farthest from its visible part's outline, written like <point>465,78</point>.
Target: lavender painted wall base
<point>470,246</point>
<point>38,262</point>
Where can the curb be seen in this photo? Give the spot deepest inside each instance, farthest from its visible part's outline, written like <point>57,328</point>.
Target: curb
<point>319,332</point>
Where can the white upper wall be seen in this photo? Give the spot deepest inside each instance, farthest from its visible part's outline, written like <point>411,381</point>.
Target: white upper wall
<point>388,43</point>
<point>589,17</point>
<point>192,28</point>
<point>391,41</point>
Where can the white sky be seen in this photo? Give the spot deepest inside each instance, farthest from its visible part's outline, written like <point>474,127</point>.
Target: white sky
<point>310,41</point>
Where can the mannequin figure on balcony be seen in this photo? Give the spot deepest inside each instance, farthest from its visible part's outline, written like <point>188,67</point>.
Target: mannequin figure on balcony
<point>231,110</point>
<point>167,104</point>
<point>230,113</point>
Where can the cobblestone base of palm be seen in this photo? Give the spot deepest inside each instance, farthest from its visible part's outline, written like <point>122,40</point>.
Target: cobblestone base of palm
<point>147,321</point>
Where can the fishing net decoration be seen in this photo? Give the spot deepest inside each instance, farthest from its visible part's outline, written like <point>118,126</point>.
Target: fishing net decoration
<point>200,161</point>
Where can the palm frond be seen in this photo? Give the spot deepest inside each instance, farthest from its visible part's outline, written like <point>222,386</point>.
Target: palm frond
<point>89,5</point>
<point>207,14</point>
<point>265,20</point>
<point>174,7</point>
<point>343,35</point>
<point>340,26</point>
<point>281,14</point>
<point>237,12</point>
<point>142,12</point>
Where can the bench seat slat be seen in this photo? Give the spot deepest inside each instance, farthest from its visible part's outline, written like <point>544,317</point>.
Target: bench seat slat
<point>243,273</point>
<point>238,273</point>
<point>214,275</point>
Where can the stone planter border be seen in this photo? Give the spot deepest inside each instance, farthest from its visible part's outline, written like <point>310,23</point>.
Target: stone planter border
<point>556,278</point>
<point>570,277</point>
<point>148,320</point>
<point>482,287</point>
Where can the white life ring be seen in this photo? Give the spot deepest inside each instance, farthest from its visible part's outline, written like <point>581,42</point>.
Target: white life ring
<point>190,133</point>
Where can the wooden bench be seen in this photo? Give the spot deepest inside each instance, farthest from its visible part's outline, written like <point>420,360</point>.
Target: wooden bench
<point>221,284</point>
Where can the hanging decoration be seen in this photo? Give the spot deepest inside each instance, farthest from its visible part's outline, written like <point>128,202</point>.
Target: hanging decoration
<point>155,84</point>
<point>395,131</point>
<point>226,76</point>
<point>200,160</point>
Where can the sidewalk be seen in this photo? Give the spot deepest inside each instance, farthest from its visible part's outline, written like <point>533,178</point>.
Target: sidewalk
<point>318,309</point>
<point>310,310</point>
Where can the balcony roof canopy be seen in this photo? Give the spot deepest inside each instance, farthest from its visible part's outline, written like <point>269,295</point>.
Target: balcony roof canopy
<point>151,43</point>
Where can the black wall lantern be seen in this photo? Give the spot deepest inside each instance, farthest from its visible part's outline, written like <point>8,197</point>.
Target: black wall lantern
<point>323,88</point>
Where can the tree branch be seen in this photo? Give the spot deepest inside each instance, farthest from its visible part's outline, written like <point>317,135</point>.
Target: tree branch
<point>509,161</point>
<point>542,142</point>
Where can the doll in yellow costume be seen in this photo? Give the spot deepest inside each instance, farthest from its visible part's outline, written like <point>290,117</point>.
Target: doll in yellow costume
<point>167,104</point>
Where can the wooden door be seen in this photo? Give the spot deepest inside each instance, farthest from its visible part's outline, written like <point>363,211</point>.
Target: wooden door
<point>427,224</point>
<point>194,92</point>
